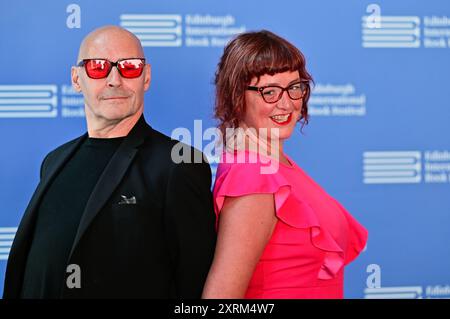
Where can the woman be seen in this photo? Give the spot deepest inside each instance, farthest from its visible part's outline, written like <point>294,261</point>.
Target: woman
<point>280,235</point>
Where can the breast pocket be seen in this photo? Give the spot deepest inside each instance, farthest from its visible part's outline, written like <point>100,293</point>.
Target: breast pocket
<point>135,211</point>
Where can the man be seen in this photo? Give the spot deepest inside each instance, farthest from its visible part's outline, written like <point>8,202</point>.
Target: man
<point>114,216</point>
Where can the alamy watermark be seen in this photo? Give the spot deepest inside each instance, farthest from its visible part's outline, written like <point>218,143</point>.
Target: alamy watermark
<point>239,145</point>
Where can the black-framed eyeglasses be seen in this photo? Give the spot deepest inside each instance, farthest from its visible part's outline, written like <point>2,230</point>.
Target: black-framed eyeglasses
<point>99,68</point>
<point>273,93</point>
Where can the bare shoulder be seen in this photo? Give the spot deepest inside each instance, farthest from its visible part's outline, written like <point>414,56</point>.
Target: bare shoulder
<point>246,224</point>
<point>251,217</point>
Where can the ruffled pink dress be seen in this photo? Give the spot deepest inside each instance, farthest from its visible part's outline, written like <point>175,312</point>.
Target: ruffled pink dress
<point>314,238</point>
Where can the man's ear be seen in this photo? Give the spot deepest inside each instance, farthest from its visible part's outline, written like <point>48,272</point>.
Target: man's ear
<point>75,79</point>
<point>147,76</point>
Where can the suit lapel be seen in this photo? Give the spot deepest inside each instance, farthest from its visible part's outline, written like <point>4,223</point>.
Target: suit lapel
<point>111,177</point>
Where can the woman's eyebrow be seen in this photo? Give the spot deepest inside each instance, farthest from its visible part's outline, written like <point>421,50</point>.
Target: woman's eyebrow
<point>278,84</point>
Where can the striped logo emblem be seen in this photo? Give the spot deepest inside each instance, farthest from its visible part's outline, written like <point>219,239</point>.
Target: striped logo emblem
<point>413,292</point>
<point>391,32</point>
<point>392,167</point>
<point>6,239</point>
<point>28,101</point>
<point>154,30</point>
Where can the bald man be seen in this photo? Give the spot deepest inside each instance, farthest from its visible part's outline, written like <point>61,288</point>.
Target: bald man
<point>114,215</point>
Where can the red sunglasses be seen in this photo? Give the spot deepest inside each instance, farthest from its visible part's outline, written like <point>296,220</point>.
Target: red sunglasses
<point>100,68</point>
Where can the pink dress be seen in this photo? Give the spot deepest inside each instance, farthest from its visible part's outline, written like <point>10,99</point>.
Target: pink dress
<point>314,238</point>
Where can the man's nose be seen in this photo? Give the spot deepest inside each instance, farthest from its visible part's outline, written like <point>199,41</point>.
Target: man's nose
<point>114,78</point>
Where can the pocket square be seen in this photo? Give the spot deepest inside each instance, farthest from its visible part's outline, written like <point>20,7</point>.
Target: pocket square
<point>127,200</point>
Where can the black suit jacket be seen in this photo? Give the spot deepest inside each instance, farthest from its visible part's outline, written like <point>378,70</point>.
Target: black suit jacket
<point>160,247</point>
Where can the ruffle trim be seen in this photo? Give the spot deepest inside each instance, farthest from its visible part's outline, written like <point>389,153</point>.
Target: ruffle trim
<point>239,179</point>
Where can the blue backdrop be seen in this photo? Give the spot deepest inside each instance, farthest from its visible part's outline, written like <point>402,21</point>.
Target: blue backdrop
<point>378,139</point>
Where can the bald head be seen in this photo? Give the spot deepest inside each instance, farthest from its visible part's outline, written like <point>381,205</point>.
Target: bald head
<point>110,40</point>
<point>113,103</point>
